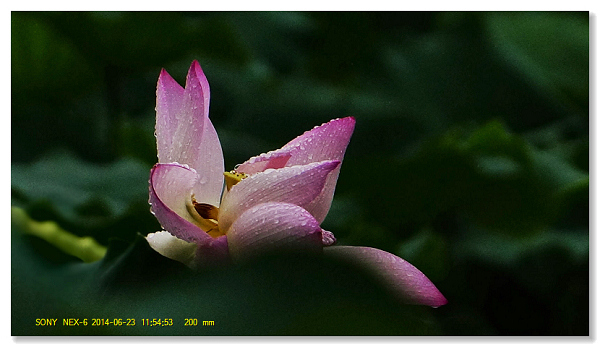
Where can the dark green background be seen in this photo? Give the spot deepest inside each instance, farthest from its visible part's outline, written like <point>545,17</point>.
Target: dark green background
<point>470,159</point>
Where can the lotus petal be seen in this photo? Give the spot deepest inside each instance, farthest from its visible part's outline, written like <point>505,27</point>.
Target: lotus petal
<point>170,187</point>
<point>173,248</point>
<point>395,273</point>
<point>270,227</point>
<point>325,142</point>
<point>169,97</point>
<point>296,185</point>
<point>185,134</point>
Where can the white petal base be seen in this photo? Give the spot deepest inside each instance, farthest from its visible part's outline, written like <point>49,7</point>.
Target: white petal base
<point>172,247</point>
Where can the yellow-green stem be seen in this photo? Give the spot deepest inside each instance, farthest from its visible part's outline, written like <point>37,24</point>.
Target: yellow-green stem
<point>84,248</point>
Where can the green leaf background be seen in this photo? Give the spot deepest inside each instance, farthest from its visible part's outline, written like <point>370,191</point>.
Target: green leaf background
<point>470,159</point>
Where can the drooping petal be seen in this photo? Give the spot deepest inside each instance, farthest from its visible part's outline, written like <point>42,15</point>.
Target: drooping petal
<point>169,97</point>
<point>273,227</point>
<point>396,273</point>
<point>187,136</point>
<point>173,248</point>
<point>170,188</point>
<point>296,185</point>
<point>325,142</point>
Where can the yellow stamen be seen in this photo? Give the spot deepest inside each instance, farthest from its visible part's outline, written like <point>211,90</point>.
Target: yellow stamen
<point>206,216</point>
<point>233,177</point>
<point>206,211</point>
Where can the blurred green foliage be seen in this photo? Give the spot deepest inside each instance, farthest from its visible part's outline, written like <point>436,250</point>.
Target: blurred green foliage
<point>470,159</point>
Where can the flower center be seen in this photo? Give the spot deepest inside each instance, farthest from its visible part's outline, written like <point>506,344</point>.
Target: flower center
<point>207,215</point>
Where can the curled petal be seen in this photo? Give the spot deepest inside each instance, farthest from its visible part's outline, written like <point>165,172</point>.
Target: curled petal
<point>296,185</point>
<point>173,248</point>
<point>170,186</point>
<point>272,227</point>
<point>396,273</point>
<point>186,135</point>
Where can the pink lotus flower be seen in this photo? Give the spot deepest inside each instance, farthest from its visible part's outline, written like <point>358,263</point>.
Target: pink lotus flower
<point>274,201</point>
